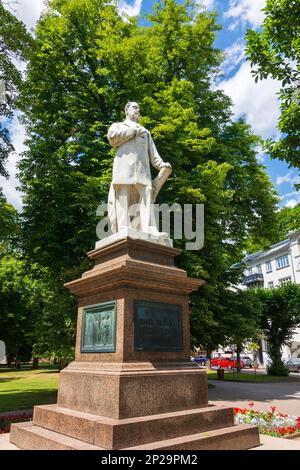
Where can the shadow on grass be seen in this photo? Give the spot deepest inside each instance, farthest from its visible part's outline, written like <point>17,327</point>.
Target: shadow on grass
<point>9,379</point>
<point>56,371</point>
<point>27,399</point>
<point>29,368</point>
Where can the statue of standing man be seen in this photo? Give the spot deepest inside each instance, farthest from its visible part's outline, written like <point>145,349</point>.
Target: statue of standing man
<point>132,191</point>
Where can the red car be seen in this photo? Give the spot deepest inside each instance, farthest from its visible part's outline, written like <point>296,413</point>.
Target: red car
<point>226,363</point>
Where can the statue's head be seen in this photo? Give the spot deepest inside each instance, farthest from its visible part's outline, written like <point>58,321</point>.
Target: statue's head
<point>132,111</point>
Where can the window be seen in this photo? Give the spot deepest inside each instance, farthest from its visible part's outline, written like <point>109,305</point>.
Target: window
<point>249,271</point>
<point>270,285</point>
<point>282,262</point>
<point>258,269</point>
<point>269,267</point>
<point>285,280</point>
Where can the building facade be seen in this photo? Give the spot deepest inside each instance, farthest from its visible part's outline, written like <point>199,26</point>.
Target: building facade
<point>271,268</point>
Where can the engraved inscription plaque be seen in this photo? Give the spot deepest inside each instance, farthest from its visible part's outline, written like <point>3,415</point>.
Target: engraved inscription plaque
<point>99,328</point>
<point>157,327</point>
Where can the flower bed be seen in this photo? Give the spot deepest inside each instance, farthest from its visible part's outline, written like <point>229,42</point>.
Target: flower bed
<point>271,422</point>
<point>6,420</point>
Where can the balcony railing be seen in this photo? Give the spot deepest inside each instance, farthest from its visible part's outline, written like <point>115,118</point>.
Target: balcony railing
<point>256,278</point>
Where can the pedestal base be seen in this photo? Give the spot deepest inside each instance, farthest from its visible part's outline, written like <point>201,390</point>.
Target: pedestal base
<point>211,428</point>
<point>143,392</point>
<point>126,406</point>
<point>121,391</point>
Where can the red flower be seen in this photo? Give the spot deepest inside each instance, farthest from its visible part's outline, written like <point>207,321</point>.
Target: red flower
<point>5,421</point>
<point>273,409</point>
<point>282,431</point>
<point>251,404</point>
<point>236,410</point>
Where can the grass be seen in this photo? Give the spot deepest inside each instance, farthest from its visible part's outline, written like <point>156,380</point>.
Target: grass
<point>22,389</point>
<point>244,377</point>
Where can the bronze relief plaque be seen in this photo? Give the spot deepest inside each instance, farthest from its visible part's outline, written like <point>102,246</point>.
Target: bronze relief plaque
<point>99,328</point>
<point>157,327</point>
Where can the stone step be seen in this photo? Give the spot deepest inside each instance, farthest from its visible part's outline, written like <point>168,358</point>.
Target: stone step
<point>240,437</point>
<point>117,434</point>
<point>27,436</point>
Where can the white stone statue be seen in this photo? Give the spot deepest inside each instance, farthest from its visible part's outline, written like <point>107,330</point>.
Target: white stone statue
<point>132,191</point>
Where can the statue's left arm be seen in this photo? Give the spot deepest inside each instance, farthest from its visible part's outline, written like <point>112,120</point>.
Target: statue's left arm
<point>155,158</point>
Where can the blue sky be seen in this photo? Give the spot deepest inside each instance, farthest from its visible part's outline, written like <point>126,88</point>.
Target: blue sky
<point>258,103</point>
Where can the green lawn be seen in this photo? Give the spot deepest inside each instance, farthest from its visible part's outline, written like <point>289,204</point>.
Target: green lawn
<point>23,389</point>
<point>244,377</point>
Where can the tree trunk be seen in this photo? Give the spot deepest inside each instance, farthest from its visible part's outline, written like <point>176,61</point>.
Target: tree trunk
<point>277,366</point>
<point>35,363</point>
<point>17,362</point>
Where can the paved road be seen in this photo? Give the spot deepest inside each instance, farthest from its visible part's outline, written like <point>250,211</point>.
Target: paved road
<point>285,396</point>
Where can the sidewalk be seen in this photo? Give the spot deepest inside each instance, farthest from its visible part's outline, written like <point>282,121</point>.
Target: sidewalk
<point>5,444</point>
<point>284,395</point>
<point>277,443</point>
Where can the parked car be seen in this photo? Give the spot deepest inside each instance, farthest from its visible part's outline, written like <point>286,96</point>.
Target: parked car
<point>247,361</point>
<point>293,364</point>
<point>226,363</point>
<point>200,360</point>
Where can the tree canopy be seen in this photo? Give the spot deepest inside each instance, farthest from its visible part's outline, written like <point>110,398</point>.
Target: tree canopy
<point>279,319</point>
<point>15,43</point>
<point>9,227</point>
<point>275,51</point>
<point>288,221</point>
<point>86,62</point>
<point>19,300</point>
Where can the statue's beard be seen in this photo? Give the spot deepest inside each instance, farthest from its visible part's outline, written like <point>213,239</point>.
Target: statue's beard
<point>134,116</point>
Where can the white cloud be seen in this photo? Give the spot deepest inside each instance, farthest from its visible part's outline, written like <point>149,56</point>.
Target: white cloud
<point>130,10</point>
<point>256,101</point>
<point>245,12</point>
<point>9,185</point>
<point>289,178</point>
<point>293,202</point>
<point>207,3</point>
<point>260,155</point>
<point>27,10</point>
<point>292,198</point>
<point>234,55</point>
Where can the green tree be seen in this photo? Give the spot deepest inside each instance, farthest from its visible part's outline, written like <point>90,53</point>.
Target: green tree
<point>280,317</point>
<point>54,329</point>
<point>15,43</point>
<point>288,221</point>
<point>242,310</point>
<point>275,51</point>
<point>87,62</point>
<point>37,314</point>
<point>9,227</point>
<point>19,304</point>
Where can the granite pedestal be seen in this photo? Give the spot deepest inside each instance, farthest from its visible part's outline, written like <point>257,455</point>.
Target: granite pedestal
<point>133,393</point>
